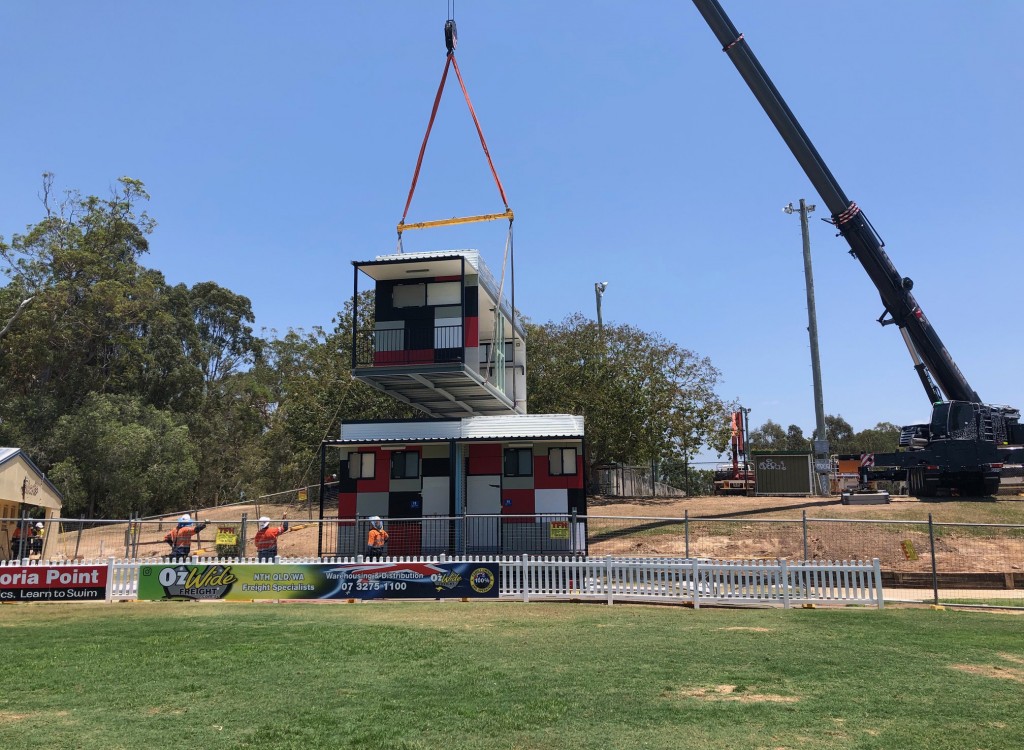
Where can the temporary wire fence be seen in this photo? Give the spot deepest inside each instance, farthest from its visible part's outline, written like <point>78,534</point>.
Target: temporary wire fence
<point>925,561</point>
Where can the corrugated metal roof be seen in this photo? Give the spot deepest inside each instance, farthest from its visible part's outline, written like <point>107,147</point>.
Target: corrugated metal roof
<point>523,426</point>
<point>6,453</point>
<point>472,256</point>
<point>518,426</point>
<point>372,432</point>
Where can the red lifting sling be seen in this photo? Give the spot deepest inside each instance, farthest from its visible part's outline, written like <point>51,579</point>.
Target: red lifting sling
<point>450,40</point>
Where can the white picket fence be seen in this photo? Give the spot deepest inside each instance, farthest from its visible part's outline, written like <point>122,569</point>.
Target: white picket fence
<point>608,579</point>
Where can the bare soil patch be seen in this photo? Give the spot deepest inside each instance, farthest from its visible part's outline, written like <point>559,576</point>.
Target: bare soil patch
<point>729,693</point>
<point>989,670</point>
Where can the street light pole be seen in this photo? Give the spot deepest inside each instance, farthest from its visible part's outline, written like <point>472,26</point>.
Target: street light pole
<point>820,440</point>
<point>599,288</point>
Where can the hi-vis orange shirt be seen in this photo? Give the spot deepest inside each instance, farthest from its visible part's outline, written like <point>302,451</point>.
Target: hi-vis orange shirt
<point>267,538</point>
<point>377,538</point>
<point>181,537</point>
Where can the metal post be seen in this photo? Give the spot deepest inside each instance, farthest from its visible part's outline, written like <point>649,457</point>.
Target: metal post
<point>686,531</point>
<point>241,535</point>
<point>805,534</point>
<point>599,288</point>
<point>746,445</point>
<point>128,534</point>
<point>935,573</point>
<point>78,539</point>
<point>320,526</point>
<point>137,537</point>
<point>23,537</point>
<point>572,534</point>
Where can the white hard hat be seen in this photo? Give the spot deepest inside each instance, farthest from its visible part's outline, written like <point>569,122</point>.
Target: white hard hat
<point>185,519</point>
<point>39,525</point>
<point>374,518</point>
<point>264,522</point>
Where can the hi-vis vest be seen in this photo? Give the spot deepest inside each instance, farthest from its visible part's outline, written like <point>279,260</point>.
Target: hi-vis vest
<point>181,537</point>
<point>377,538</point>
<point>267,538</point>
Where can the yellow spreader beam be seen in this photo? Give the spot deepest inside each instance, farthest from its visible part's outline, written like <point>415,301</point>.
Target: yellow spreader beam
<point>455,220</point>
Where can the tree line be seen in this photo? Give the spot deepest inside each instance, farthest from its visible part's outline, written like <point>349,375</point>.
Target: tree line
<point>138,396</point>
<point>882,438</point>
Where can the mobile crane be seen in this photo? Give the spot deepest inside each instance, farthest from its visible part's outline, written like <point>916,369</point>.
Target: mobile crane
<point>966,444</point>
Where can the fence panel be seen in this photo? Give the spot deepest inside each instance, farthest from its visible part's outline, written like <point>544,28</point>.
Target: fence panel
<point>636,536</point>
<point>979,564</point>
<point>745,539</point>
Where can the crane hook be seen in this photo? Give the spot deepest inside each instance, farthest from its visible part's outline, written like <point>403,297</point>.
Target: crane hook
<point>451,35</point>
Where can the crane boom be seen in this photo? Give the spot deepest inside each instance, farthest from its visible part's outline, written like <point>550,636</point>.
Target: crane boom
<point>865,245</point>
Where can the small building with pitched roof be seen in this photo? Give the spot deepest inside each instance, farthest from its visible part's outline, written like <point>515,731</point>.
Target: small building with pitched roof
<point>24,491</point>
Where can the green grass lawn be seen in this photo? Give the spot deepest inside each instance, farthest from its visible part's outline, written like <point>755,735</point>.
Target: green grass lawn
<point>506,675</point>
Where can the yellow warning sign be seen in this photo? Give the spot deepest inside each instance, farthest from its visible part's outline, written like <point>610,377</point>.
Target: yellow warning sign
<point>559,530</point>
<point>302,496</point>
<point>908,549</point>
<point>226,535</point>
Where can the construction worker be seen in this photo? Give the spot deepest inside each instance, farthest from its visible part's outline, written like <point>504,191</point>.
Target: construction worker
<point>180,537</point>
<point>376,539</point>
<point>266,537</point>
<point>17,544</point>
<point>35,542</point>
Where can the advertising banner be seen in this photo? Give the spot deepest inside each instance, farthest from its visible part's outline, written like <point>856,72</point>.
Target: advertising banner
<point>245,582</point>
<point>53,583</point>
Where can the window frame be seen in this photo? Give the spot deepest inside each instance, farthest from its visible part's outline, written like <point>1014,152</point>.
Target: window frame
<point>404,464</point>
<point>363,455</point>
<point>561,459</point>
<point>518,466</point>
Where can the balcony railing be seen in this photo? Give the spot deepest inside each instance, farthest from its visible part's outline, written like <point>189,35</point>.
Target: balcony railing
<point>415,344</point>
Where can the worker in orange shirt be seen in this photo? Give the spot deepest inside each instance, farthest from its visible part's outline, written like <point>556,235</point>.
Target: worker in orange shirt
<point>266,537</point>
<point>17,544</point>
<point>180,537</point>
<point>376,539</point>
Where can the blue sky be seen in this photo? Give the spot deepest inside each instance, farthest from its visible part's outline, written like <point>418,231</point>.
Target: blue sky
<point>278,142</point>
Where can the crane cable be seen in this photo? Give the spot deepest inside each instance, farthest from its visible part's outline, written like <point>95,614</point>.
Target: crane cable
<point>451,41</point>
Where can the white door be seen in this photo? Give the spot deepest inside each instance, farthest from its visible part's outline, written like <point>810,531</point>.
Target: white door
<point>483,498</point>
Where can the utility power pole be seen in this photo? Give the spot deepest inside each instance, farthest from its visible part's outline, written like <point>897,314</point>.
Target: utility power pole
<point>820,442</point>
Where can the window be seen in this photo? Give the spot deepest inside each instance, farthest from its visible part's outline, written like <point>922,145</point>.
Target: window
<point>361,466</point>
<point>561,461</point>
<point>437,293</point>
<point>519,462</point>
<point>444,293</point>
<point>410,295</point>
<point>405,465</point>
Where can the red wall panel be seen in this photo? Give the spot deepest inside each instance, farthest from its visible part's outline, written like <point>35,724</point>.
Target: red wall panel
<point>541,479</point>
<point>522,503</point>
<point>472,330</point>
<point>346,505</point>
<point>485,458</point>
<point>382,474</point>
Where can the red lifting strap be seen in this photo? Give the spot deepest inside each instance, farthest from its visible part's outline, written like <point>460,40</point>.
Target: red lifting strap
<point>433,113</point>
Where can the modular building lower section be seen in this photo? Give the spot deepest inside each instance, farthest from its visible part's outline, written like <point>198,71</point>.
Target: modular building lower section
<point>478,485</point>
